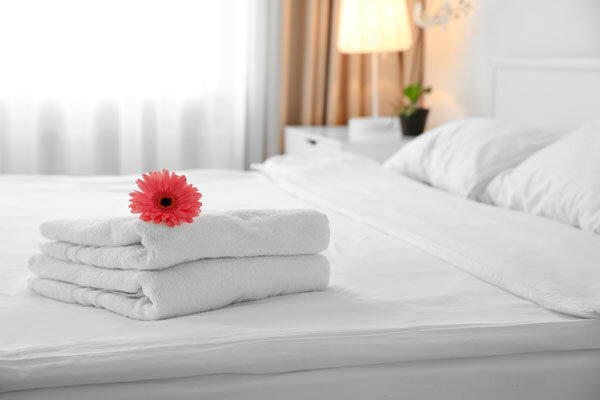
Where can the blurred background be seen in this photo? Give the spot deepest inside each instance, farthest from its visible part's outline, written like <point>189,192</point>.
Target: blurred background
<point>123,86</point>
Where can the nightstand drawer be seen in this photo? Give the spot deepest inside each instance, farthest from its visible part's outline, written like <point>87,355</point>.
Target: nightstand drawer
<point>298,141</point>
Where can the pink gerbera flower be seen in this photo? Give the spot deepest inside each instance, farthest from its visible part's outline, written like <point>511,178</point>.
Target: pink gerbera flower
<point>165,198</point>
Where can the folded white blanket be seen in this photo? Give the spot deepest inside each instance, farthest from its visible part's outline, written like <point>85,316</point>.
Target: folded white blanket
<point>184,289</point>
<point>128,243</point>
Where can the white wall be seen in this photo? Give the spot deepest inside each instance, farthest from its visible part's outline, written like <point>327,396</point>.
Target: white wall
<point>458,61</point>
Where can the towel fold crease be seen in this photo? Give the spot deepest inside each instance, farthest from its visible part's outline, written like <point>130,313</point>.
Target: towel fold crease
<point>128,243</point>
<point>184,289</point>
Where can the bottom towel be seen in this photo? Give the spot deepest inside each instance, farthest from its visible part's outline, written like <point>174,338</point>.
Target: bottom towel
<point>184,289</point>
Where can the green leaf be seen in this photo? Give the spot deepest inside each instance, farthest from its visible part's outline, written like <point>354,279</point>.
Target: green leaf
<point>413,92</point>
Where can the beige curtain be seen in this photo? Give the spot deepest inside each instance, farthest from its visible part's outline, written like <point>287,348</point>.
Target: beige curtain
<point>321,86</point>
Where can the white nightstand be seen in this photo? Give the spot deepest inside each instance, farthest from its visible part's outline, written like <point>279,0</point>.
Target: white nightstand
<point>334,139</point>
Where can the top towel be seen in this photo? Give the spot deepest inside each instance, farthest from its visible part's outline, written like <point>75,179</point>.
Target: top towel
<point>128,243</point>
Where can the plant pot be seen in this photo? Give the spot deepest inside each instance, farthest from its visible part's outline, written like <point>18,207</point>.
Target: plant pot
<point>414,124</point>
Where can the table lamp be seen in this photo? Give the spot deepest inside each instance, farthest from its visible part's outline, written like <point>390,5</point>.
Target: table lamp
<point>373,26</point>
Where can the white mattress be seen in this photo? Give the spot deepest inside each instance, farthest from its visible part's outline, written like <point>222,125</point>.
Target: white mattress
<point>390,302</point>
<point>544,375</point>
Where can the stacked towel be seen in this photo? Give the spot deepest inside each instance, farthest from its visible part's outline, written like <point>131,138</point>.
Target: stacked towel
<point>146,271</point>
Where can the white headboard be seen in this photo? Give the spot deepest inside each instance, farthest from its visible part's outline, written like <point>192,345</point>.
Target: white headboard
<point>549,93</point>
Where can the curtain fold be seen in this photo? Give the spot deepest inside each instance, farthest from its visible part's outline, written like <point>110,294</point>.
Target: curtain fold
<point>125,86</point>
<point>319,85</point>
<point>262,98</point>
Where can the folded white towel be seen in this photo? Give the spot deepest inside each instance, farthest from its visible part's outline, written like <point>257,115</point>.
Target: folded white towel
<point>128,243</point>
<point>184,289</point>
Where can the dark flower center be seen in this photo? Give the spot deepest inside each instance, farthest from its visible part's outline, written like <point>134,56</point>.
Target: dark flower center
<point>166,202</point>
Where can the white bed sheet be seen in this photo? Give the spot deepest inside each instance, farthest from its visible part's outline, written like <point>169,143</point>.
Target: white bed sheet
<point>390,302</point>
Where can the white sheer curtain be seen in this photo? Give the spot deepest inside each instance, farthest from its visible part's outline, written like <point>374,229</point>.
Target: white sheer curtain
<point>122,86</point>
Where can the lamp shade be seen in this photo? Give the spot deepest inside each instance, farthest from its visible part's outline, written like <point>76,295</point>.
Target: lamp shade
<point>373,26</point>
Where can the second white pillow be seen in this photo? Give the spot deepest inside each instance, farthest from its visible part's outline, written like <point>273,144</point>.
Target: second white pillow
<point>561,182</point>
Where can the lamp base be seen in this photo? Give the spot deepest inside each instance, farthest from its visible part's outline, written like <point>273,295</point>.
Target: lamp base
<point>369,129</point>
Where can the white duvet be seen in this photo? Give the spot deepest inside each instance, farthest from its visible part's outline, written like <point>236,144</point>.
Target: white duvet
<point>415,273</point>
<point>555,266</point>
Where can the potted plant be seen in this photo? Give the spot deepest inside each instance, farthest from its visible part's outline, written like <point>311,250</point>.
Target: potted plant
<point>413,117</point>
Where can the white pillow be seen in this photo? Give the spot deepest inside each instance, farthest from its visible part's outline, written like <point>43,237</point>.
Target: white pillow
<point>463,156</point>
<point>561,181</point>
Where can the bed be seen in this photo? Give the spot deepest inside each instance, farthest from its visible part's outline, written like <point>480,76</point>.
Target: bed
<point>407,314</point>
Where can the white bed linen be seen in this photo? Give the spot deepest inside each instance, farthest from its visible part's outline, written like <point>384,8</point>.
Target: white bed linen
<point>390,302</point>
<point>533,258</point>
<point>546,375</point>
